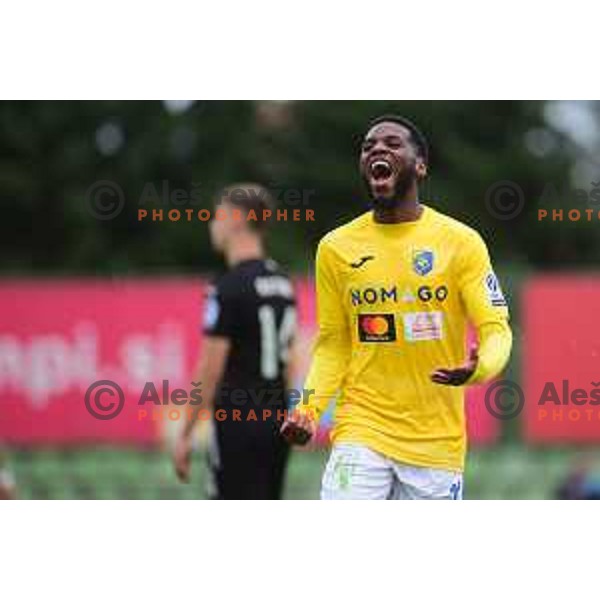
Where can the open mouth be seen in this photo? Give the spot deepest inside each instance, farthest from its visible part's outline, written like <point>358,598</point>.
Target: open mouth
<point>380,170</point>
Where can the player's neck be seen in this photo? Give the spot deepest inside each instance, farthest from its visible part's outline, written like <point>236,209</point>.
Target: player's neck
<point>244,248</point>
<point>407,209</point>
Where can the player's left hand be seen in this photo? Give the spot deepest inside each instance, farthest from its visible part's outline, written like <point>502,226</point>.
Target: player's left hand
<point>458,376</point>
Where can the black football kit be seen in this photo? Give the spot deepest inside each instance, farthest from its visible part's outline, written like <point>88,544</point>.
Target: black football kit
<point>253,306</point>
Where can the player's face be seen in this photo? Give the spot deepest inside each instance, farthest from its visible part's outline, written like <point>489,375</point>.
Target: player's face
<point>388,161</point>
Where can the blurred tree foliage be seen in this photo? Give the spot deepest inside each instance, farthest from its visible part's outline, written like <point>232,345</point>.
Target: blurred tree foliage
<point>52,152</point>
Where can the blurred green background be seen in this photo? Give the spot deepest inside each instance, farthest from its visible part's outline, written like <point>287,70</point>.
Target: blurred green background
<point>502,472</point>
<point>51,153</point>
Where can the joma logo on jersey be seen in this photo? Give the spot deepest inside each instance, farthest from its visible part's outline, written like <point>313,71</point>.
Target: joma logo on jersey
<point>376,328</point>
<point>373,295</point>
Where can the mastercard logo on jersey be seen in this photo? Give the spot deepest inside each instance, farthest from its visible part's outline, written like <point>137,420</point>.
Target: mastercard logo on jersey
<point>376,328</point>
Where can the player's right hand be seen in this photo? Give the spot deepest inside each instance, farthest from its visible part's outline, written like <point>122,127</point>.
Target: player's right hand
<point>298,428</point>
<point>182,457</point>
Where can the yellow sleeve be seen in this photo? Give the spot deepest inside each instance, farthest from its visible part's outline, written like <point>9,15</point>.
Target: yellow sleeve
<point>486,309</point>
<point>332,348</point>
<point>495,343</point>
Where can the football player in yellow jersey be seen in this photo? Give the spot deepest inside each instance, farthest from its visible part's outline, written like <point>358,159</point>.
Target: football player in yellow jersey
<point>397,288</point>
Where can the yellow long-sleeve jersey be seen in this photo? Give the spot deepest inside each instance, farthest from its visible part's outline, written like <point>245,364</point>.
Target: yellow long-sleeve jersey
<point>393,304</point>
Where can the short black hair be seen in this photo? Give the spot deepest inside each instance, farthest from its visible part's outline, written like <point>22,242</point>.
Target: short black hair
<point>249,196</point>
<point>418,139</point>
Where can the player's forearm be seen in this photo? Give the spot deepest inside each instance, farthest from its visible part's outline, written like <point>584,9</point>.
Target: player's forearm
<point>208,393</point>
<point>210,370</point>
<point>208,390</point>
<point>495,343</point>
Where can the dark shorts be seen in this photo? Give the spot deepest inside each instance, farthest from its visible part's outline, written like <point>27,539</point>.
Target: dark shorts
<point>247,461</point>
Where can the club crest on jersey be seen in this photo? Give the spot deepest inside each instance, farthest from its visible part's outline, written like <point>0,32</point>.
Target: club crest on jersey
<point>423,262</point>
<point>376,328</point>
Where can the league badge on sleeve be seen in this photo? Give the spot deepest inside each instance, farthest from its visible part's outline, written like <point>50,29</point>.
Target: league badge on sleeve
<point>494,291</point>
<point>422,262</point>
<point>211,310</point>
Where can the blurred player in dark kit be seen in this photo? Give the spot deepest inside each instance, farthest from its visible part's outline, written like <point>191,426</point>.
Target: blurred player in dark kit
<point>249,330</point>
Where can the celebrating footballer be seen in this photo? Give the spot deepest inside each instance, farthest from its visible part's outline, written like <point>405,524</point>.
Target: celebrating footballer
<point>397,289</point>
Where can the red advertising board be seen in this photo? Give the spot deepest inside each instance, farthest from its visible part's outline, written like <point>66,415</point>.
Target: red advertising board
<point>58,337</point>
<point>561,365</point>
<point>482,427</point>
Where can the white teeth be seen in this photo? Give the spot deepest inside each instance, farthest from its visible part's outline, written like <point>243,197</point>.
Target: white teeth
<point>380,163</point>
